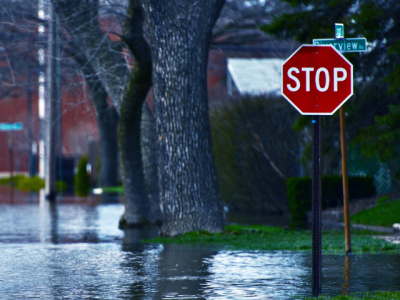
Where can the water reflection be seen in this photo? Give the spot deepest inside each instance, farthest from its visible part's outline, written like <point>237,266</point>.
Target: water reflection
<point>251,275</point>
<point>346,273</point>
<point>107,198</point>
<point>54,237</point>
<point>184,271</point>
<point>75,250</point>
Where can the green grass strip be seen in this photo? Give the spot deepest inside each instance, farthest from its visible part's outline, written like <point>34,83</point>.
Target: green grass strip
<point>258,237</point>
<point>114,189</point>
<point>357,296</point>
<point>385,214</point>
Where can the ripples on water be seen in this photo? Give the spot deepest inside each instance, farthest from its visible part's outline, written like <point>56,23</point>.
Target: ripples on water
<point>76,251</point>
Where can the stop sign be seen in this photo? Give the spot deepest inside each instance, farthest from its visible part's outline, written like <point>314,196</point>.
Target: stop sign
<point>317,80</point>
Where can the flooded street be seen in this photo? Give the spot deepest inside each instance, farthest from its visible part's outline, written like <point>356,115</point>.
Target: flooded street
<point>74,250</point>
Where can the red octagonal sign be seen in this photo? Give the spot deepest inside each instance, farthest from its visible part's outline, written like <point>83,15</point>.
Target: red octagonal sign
<point>317,80</point>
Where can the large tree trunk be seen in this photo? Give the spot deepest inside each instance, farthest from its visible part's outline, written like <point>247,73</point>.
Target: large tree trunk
<point>180,34</point>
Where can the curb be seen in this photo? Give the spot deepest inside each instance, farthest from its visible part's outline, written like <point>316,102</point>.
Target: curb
<point>367,227</point>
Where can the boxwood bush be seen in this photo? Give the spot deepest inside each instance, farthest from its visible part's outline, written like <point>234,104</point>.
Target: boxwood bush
<point>299,192</point>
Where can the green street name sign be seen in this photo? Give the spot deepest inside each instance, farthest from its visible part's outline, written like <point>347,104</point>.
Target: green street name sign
<point>347,45</point>
<point>11,126</point>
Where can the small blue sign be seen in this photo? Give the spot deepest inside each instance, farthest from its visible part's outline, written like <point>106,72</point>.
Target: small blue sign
<point>11,126</point>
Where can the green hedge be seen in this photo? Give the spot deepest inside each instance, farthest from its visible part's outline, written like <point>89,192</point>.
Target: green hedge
<point>24,183</point>
<point>34,184</point>
<point>16,179</point>
<point>299,192</point>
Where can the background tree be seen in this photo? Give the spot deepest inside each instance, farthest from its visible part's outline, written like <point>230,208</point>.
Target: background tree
<point>239,21</point>
<point>376,71</point>
<point>107,119</point>
<point>81,20</point>
<point>19,77</point>
<point>20,34</point>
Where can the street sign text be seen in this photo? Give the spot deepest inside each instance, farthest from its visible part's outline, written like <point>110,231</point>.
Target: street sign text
<point>317,80</point>
<point>348,45</point>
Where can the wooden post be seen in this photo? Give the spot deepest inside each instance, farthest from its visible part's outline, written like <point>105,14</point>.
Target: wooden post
<point>345,182</point>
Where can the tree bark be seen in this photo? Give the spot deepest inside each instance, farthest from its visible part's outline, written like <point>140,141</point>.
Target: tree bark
<point>180,34</point>
<point>140,209</point>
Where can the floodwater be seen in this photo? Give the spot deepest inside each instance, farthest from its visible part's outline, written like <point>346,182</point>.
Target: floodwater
<point>74,250</point>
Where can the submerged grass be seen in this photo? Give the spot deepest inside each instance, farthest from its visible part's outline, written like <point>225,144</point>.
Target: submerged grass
<point>258,237</point>
<point>358,296</point>
<point>385,214</point>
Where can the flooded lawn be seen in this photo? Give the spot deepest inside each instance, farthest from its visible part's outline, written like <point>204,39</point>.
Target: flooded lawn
<point>74,250</point>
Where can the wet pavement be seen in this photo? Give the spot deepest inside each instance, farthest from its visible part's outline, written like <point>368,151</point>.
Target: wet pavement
<point>74,250</point>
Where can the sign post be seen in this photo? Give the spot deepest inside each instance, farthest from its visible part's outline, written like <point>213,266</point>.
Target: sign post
<point>317,80</point>
<point>10,127</point>
<point>316,207</point>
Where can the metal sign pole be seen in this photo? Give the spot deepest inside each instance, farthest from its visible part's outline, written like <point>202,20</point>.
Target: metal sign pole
<point>316,207</point>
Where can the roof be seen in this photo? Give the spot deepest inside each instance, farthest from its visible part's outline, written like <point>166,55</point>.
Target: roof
<point>256,76</point>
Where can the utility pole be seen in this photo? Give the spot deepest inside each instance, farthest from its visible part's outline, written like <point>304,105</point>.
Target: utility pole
<point>41,96</point>
<point>51,113</point>
<point>59,107</point>
<point>29,123</point>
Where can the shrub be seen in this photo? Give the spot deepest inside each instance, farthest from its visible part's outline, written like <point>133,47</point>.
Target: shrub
<point>24,183</point>
<point>33,184</point>
<point>254,146</point>
<point>82,178</point>
<point>16,179</point>
<point>300,194</point>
